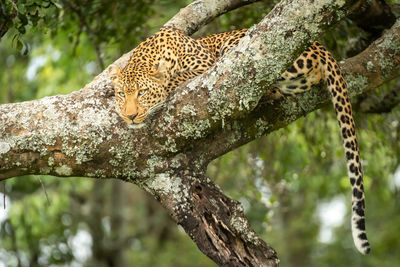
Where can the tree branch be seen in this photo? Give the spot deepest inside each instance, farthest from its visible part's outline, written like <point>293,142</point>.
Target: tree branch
<point>80,134</point>
<point>216,223</point>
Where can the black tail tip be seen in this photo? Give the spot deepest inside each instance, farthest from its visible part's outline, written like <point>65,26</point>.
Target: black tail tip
<point>366,249</point>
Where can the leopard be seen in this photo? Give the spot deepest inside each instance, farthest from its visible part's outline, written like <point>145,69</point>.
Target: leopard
<point>168,58</point>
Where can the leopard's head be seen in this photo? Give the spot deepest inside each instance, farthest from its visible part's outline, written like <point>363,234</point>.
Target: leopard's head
<point>137,93</point>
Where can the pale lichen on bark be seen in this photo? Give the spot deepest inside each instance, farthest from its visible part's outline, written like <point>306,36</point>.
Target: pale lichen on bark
<point>4,147</point>
<point>387,43</point>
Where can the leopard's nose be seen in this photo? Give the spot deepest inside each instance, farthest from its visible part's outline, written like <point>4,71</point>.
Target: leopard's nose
<point>132,117</point>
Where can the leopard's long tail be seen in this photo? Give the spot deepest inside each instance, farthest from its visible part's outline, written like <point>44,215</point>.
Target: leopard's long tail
<point>341,102</point>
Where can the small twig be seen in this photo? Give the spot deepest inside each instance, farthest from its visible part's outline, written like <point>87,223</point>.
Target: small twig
<point>76,43</point>
<point>45,191</point>
<point>98,52</point>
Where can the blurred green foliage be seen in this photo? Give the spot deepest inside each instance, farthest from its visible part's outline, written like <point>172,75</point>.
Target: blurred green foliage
<point>285,180</point>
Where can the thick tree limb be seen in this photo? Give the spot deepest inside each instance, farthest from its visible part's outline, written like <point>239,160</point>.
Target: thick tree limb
<point>377,64</point>
<point>81,135</point>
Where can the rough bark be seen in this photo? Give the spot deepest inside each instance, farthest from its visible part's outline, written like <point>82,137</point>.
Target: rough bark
<point>80,134</point>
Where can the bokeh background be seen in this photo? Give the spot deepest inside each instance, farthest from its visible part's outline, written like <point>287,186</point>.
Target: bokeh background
<point>292,183</point>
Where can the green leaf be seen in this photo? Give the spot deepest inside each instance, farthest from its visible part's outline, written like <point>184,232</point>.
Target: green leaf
<point>23,18</point>
<point>31,8</point>
<point>58,5</point>
<point>10,24</point>
<point>21,29</point>
<point>19,45</point>
<point>34,19</point>
<point>3,8</point>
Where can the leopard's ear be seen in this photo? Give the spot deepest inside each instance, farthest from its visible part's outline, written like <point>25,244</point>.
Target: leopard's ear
<point>159,71</point>
<point>114,72</point>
